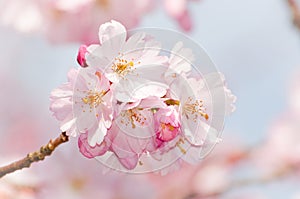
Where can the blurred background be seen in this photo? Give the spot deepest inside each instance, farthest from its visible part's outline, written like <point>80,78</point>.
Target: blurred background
<point>254,43</point>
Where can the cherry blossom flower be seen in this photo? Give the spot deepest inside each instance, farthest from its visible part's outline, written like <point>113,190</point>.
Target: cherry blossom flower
<point>129,63</point>
<point>196,107</point>
<point>83,105</point>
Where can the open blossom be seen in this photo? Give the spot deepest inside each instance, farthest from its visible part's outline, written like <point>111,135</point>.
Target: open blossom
<point>129,63</point>
<point>136,109</point>
<point>83,105</point>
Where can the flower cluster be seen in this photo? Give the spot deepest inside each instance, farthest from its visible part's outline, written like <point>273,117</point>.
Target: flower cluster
<point>137,108</point>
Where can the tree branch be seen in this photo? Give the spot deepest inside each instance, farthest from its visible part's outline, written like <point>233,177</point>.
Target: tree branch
<point>276,175</point>
<point>35,156</point>
<point>295,12</point>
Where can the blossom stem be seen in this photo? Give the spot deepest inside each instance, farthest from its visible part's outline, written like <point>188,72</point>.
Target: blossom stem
<point>295,12</point>
<point>36,156</point>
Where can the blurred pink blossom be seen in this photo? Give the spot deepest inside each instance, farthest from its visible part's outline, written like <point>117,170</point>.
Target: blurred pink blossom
<point>71,21</point>
<point>281,149</point>
<point>178,10</point>
<point>19,185</point>
<point>64,21</point>
<point>294,93</point>
<point>209,179</point>
<point>85,179</point>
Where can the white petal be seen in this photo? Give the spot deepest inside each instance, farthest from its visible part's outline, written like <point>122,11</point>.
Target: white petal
<point>193,131</point>
<point>181,59</point>
<point>98,58</point>
<point>135,43</point>
<point>130,91</point>
<point>112,36</point>
<point>68,125</point>
<point>96,135</point>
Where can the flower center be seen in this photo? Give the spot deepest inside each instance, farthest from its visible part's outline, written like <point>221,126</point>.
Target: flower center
<point>133,116</point>
<point>78,183</point>
<point>102,3</point>
<point>195,108</point>
<point>168,126</point>
<point>94,98</point>
<point>122,67</point>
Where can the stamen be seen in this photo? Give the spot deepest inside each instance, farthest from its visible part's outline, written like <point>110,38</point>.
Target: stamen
<point>93,98</point>
<point>122,67</point>
<point>102,3</point>
<point>132,116</point>
<point>178,144</point>
<point>169,126</point>
<point>195,108</point>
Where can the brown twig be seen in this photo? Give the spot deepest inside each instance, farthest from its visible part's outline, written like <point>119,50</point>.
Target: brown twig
<point>295,12</point>
<point>35,156</point>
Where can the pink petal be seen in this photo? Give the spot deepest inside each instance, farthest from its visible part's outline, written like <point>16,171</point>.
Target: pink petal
<point>89,151</point>
<point>129,162</point>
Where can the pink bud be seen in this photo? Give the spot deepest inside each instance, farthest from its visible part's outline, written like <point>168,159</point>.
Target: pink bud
<point>167,124</point>
<point>81,56</point>
<point>185,21</point>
